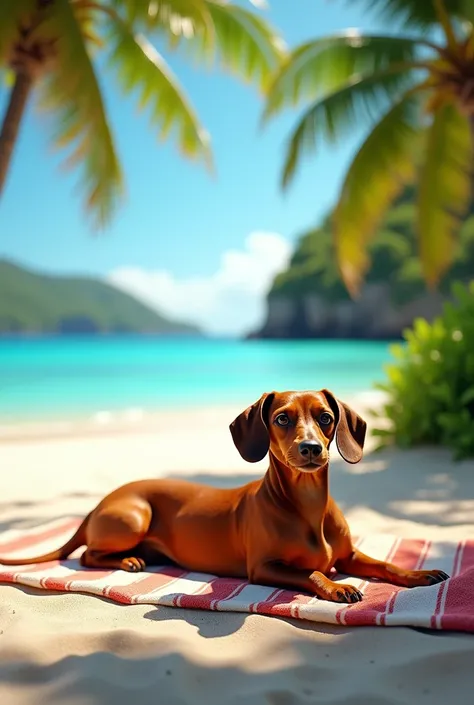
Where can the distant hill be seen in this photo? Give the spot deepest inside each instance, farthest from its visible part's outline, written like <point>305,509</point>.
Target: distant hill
<point>37,303</point>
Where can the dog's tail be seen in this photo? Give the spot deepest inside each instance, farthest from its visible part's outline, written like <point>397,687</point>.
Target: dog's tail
<point>75,542</point>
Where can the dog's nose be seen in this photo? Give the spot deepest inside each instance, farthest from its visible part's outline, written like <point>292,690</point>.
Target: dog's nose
<point>307,448</point>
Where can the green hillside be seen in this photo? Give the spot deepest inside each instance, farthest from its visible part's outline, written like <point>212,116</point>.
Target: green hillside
<point>39,303</point>
<point>395,262</point>
<point>309,300</point>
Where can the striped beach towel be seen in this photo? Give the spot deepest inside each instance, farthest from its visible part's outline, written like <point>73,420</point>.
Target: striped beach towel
<point>447,606</point>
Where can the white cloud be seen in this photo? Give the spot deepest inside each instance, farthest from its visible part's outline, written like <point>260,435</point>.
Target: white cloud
<point>229,302</point>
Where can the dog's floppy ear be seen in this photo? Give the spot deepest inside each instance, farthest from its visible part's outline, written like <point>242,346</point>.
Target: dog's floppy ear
<point>350,429</point>
<point>250,431</point>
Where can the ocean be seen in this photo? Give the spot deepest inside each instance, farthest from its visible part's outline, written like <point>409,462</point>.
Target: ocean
<point>45,379</point>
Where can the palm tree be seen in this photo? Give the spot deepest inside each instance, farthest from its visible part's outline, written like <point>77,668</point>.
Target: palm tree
<point>50,45</point>
<point>417,94</point>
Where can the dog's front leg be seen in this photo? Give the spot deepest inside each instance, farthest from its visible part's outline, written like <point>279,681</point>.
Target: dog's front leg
<point>362,566</point>
<point>277,574</point>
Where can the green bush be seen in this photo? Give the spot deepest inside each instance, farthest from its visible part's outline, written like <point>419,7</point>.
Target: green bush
<point>430,385</point>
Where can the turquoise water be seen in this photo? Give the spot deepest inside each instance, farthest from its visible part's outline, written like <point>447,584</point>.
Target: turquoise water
<point>52,378</point>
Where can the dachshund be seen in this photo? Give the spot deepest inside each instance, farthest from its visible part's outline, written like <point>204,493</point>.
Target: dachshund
<point>283,530</point>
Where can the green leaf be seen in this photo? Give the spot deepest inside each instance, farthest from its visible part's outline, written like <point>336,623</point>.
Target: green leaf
<point>395,374</point>
<point>73,94</point>
<point>334,116</point>
<point>178,19</point>
<point>143,70</point>
<point>417,13</point>
<point>396,349</point>
<point>323,66</point>
<point>422,328</point>
<point>466,10</point>
<point>444,192</point>
<point>468,396</point>
<point>402,215</point>
<point>13,15</point>
<point>383,164</point>
<point>382,387</point>
<point>460,292</point>
<point>245,44</point>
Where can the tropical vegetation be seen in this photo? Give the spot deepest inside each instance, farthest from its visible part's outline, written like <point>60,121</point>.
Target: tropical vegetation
<point>414,93</point>
<point>430,383</point>
<point>54,48</point>
<point>394,261</point>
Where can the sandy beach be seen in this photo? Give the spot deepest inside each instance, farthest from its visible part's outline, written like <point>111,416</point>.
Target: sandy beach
<point>75,649</point>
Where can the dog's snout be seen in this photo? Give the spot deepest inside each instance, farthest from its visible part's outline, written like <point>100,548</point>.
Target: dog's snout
<point>310,448</point>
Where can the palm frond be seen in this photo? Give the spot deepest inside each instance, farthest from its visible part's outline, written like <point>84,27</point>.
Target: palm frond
<point>86,18</point>
<point>73,94</point>
<point>326,65</point>
<point>332,117</point>
<point>143,70</point>
<point>402,215</point>
<point>382,166</point>
<point>176,18</point>
<point>244,43</point>
<point>466,11</point>
<point>445,22</point>
<point>444,192</point>
<point>14,14</point>
<point>416,13</point>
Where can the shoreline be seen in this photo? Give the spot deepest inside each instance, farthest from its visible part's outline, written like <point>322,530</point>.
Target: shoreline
<point>141,421</point>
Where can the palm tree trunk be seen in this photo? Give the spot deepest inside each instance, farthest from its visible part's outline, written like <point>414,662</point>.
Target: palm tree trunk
<point>11,122</point>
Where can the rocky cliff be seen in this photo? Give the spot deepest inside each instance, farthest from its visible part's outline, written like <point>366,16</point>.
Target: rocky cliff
<point>374,315</point>
<point>308,300</point>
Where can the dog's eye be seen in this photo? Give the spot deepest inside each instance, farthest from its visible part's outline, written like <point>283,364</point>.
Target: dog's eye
<point>282,420</point>
<point>325,419</point>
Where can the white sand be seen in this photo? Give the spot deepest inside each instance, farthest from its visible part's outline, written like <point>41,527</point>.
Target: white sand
<point>74,649</point>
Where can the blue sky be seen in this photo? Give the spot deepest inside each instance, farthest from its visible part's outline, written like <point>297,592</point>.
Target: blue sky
<point>177,219</point>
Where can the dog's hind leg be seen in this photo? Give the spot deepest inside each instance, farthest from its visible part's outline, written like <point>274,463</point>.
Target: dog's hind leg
<point>114,534</point>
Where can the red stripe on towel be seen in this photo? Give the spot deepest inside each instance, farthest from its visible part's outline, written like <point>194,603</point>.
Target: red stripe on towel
<point>458,613</point>
<point>32,538</point>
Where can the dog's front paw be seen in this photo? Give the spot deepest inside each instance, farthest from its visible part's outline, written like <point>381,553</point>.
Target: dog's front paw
<point>424,578</point>
<point>341,592</point>
<point>132,565</point>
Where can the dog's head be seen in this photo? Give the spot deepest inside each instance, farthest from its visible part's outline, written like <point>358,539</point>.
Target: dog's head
<point>298,428</point>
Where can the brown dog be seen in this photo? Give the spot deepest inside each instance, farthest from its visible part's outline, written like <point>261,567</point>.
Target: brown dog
<point>283,530</point>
